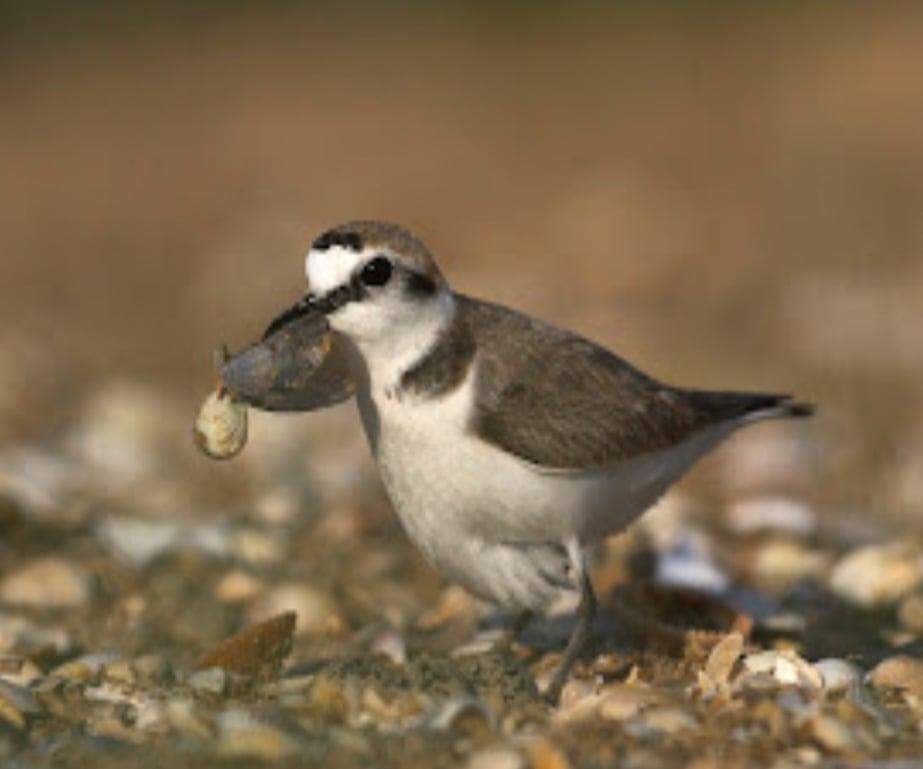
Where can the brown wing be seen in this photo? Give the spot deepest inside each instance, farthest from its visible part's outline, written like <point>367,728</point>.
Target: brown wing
<point>559,401</point>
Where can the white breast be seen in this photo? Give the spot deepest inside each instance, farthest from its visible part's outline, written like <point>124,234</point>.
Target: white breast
<point>485,517</point>
<point>454,492</point>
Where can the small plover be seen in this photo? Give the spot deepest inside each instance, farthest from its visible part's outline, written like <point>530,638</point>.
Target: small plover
<point>506,445</point>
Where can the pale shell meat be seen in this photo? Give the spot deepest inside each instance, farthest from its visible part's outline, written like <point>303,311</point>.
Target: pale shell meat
<point>221,427</point>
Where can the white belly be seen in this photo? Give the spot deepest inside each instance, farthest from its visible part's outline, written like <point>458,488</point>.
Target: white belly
<point>490,520</point>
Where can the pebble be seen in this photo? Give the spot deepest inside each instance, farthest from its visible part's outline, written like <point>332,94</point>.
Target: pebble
<point>16,703</point>
<point>496,758</point>
<point>391,644</point>
<point>910,612</point>
<point>183,716</point>
<point>211,539</point>
<point>75,671</point>
<point>40,483</point>
<point>317,613</point>
<point>149,714</point>
<point>83,668</point>
<point>546,755</point>
<point>213,681</point>
<point>120,671</point>
<point>797,704</point>
<point>137,541</point>
<point>669,720</point>
<point>453,603</point>
<point>805,755</point>
<point>112,728</point>
<point>10,714</point>
<point>780,563</point>
<point>451,714</point>
<point>771,513</point>
<point>154,667</point>
<point>899,672</point>
<point>25,636</point>
<point>877,575</point>
<point>257,548</point>
<point>238,587</point>
<point>785,623</point>
<point>575,691</point>
<point>330,699</point>
<point>619,702</point>
<point>19,670</point>
<point>47,583</point>
<point>832,734</point>
<point>404,709</point>
<point>280,506</point>
<point>481,643</point>
<point>785,666</point>
<point>837,675</point>
<point>289,685</point>
<point>242,736</point>
<point>574,708</point>
<point>121,428</point>
<point>107,692</point>
<point>687,562</point>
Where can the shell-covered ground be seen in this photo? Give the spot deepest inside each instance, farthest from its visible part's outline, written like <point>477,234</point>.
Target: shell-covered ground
<point>295,624</point>
<point>728,195</point>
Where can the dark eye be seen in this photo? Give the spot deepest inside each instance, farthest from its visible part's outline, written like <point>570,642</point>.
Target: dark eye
<point>377,272</point>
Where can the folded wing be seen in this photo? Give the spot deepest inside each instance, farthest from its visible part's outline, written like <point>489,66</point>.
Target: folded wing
<point>563,403</point>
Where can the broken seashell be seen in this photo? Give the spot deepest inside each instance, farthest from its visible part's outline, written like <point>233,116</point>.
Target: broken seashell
<point>221,427</point>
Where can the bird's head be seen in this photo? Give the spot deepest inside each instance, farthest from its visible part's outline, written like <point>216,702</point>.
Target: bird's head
<point>377,284</point>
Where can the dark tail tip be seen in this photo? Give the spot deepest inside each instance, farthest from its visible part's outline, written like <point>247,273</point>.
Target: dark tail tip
<point>799,409</point>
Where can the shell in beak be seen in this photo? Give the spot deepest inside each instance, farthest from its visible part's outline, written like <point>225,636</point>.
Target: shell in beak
<point>299,365</point>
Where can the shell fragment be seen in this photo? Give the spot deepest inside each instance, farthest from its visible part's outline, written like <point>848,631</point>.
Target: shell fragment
<point>299,365</point>
<point>221,427</point>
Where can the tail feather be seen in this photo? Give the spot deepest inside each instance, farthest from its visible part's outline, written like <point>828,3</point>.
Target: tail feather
<point>795,408</point>
<point>729,406</point>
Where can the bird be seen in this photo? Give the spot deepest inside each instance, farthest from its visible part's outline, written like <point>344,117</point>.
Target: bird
<point>507,446</point>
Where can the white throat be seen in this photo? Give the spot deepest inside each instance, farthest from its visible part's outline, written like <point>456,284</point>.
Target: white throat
<point>408,339</point>
<point>391,330</point>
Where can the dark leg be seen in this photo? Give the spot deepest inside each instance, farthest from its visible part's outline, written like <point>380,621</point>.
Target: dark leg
<point>586,613</point>
<point>519,624</point>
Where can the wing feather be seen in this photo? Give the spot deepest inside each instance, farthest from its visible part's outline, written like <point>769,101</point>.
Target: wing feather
<point>562,402</point>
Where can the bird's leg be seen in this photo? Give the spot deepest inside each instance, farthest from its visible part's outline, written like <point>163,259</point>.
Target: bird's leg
<point>586,613</point>
<point>514,631</point>
<point>520,622</point>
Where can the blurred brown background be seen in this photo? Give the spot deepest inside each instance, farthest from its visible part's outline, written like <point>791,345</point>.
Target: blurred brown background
<point>729,194</point>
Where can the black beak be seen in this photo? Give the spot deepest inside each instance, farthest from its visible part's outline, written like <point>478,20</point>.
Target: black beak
<point>310,303</point>
<point>302,307</point>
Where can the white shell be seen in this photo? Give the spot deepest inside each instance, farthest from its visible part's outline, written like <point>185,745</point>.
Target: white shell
<point>221,427</point>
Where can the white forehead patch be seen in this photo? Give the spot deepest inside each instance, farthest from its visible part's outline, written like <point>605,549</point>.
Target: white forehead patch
<point>331,268</point>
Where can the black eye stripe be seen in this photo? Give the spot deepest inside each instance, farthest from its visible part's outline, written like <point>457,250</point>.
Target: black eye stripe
<point>419,284</point>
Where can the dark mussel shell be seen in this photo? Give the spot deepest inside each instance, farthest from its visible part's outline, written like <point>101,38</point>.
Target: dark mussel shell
<point>300,366</point>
